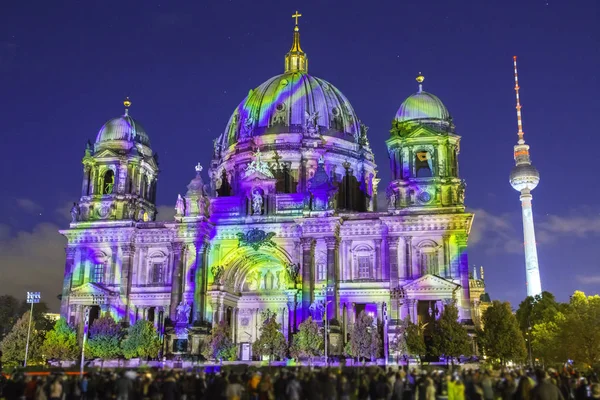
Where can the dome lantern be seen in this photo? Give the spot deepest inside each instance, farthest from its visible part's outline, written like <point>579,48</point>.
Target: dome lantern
<point>296,60</point>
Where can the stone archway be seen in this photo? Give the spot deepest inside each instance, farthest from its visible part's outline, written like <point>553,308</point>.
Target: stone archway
<point>251,282</point>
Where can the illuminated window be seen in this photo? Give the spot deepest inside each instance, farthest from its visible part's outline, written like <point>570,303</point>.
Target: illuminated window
<point>364,267</point>
<point>109,181</point>
<point>423,164</point>
<point>157,273</point>
<point>98,273</point>
<point>321,271</point>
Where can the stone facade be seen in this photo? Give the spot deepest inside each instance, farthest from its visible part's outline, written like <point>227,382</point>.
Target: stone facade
<point>289,222</point>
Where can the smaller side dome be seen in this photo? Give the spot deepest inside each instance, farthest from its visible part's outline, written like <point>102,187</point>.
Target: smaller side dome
<point>423,107</point>
<point>123,128</point>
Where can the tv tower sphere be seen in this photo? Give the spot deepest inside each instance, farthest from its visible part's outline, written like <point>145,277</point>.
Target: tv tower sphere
<point>524,177</point>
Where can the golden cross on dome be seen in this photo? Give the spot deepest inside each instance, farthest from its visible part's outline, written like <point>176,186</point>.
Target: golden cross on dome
<point>296,16</point>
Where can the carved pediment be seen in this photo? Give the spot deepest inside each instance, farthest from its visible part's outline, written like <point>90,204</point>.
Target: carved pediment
<point>90,291</point>
<point>422,131</point>
<point>105,153</point>
<point>430,283</point>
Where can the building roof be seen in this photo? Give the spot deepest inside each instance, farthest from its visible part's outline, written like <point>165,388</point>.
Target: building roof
<point>123,128</point>
<point>423,107</point>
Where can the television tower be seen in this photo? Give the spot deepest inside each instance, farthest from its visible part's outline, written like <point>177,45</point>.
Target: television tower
<point>524,178</point>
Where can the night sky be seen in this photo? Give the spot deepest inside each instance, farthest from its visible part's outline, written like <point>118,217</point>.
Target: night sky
<point>65,68</point>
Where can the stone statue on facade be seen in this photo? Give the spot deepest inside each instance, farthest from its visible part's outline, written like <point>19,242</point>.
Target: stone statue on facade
<point>248,127</point>
<point>460,192</point>
<point>179,206</point>
<point>130,209</point>
<point>216,148</point>
<point>317,311</point>
<point>293,270</point>
<point>312,127</point>
<point>392,200</point>
<point>75,212</point>
<point>217,272</point>
<point>257,202</point>
<point>140,214</point>
<point>363,140</point>
<point>183,312</point>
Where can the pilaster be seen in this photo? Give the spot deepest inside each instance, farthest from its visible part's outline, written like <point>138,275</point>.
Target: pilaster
<point>393,260</point>
<point>332,309</point>
<point>409,257</point>
<point>461,242</point>
<point>177,268</point>
<point>307,278</point>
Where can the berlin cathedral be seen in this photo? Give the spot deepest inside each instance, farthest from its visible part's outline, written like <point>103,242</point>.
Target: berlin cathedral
<point>288,221</point>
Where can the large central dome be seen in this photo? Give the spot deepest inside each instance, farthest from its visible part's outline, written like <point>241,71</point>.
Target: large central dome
<point>287,103</point>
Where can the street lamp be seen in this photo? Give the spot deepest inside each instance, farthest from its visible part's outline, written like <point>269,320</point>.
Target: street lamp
<point>32,298</point>
<point>86,325</point>
<point>325,319</point>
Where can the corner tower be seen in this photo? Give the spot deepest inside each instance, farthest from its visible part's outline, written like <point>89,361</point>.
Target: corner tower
<point>524,177</point>
<point>119,174</point>
<point>423,150</point>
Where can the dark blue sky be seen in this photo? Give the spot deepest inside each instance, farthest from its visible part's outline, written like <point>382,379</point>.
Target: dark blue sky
<point>66,66</point>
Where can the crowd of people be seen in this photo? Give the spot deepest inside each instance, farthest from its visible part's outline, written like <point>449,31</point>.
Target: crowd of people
<point>370,383</point>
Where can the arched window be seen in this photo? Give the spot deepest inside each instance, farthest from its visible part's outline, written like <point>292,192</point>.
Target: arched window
<point>363,257</point>
<point>423,164</point>
<point>108,182</point>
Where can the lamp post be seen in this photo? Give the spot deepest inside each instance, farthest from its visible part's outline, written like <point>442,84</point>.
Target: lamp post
<point>86,325</point>
<point>326,289</point>
<point>32,298</point>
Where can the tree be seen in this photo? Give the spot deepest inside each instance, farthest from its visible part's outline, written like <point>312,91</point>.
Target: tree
<point>220,346</point>
<point>11,310</point>
<point>13,344</point>
<point>501,338</point>
<point>308,341</point>
<point>61,342</point>
<point>536,309</point>
<point>415,337</point>
<point>271,342</point>
<point>105,337</point>
<point>142,340</point>
<point>450,338</point>
<point>546,340</point>
<point>9,314</point>
<point>580,329</point>
<point>365,341</point>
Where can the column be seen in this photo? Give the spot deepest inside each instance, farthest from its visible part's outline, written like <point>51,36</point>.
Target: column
<point>447,267</point>
<point>291,313</point>
<point>378,267</point>
<point>385,259</point>
<point>200,289</point>
<point>393,260</point>
<point>86,180</point>
<point>67,279</point>
<point>463,269</point>
<point>332,309</point>
<point>127,253</point>
<point>112,273</point>
<point>307,281</point>
<point>176,279</point>
<point>408,255</point>
<point>344,322</point>
<point>145,313</point>
<point>234,328</point>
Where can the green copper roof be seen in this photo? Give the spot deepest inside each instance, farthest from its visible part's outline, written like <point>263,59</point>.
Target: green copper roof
<point>123,128</point>
<point>422,106</point>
